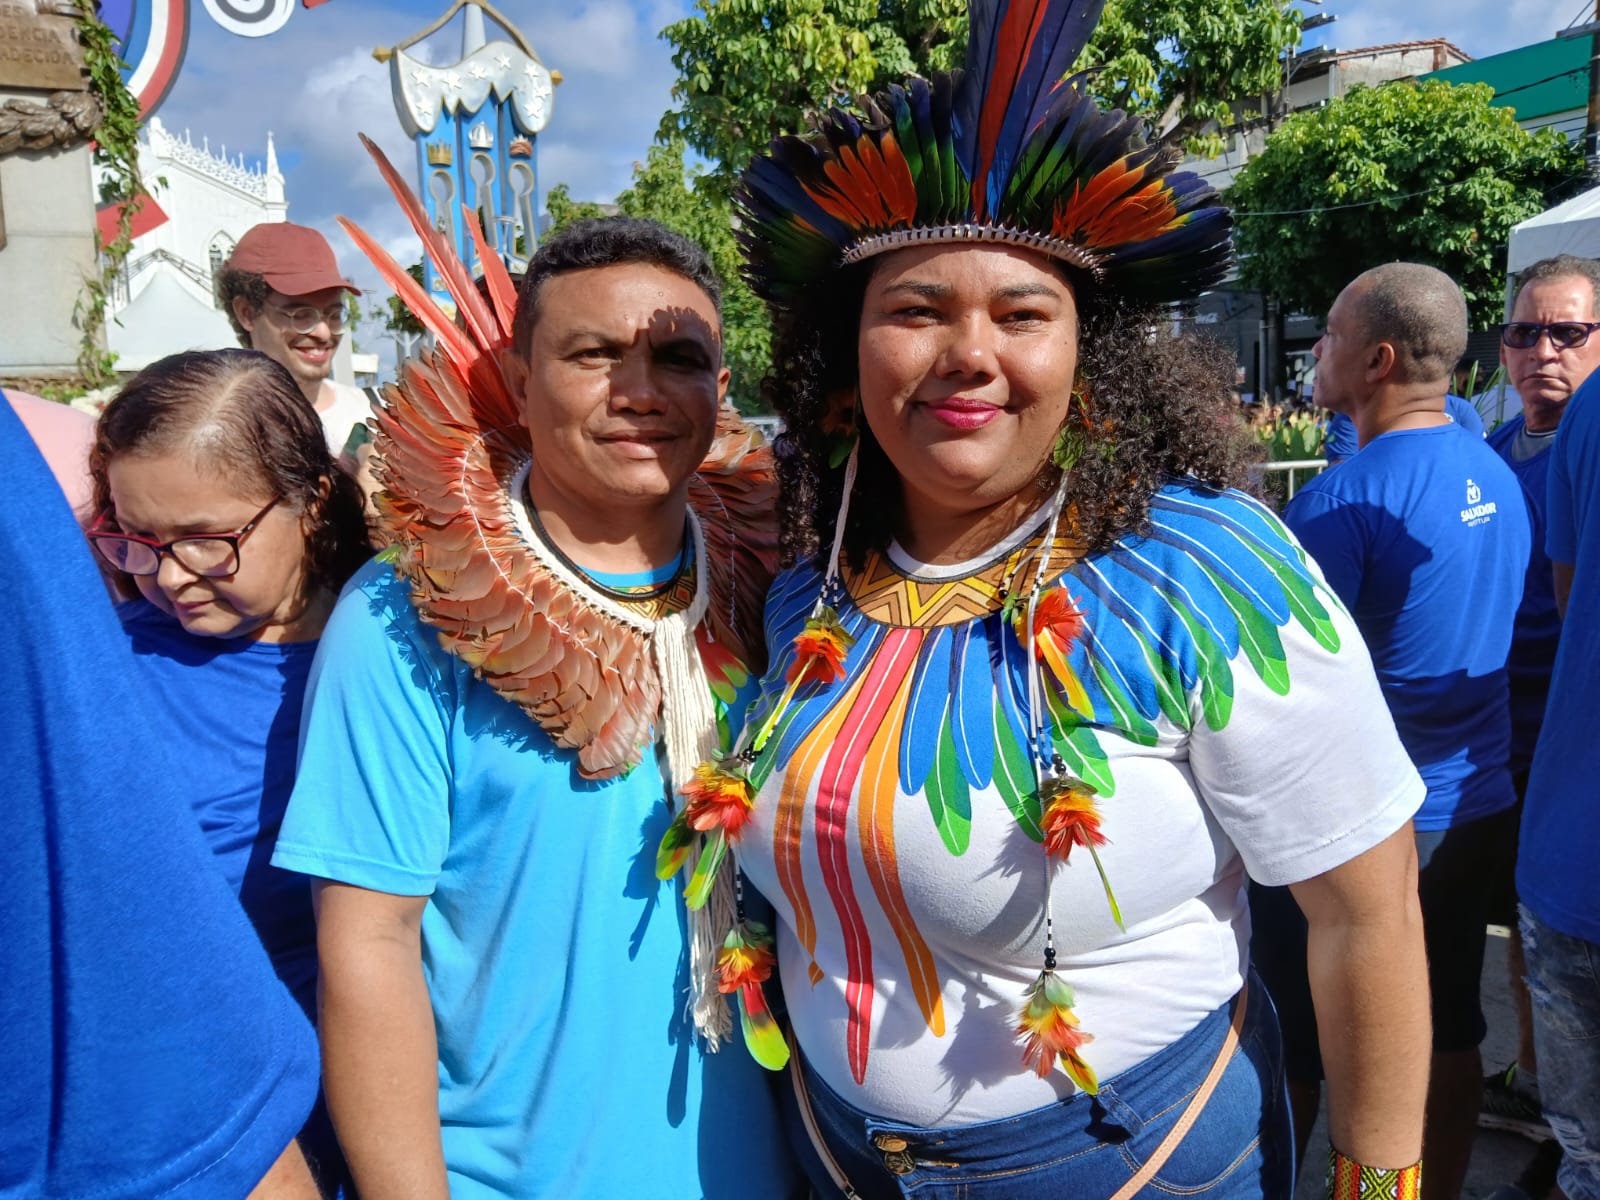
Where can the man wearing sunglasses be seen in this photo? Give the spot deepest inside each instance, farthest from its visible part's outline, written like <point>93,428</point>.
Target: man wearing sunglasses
<point>1550,347</point>
<point>285,296</point>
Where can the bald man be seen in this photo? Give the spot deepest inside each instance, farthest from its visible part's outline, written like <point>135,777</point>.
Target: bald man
<point>1425,537</point>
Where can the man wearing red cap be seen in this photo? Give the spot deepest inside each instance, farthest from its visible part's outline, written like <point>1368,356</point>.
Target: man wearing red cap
<point>284,293</point>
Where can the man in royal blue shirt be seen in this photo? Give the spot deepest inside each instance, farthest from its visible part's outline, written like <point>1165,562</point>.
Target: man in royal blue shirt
<point>1424,535</point>
<point>1556,298</point>
<point>1557,879</point>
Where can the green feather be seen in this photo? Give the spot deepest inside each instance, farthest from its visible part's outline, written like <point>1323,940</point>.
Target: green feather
<point>698,890</point>
<point>1305,606</point>
<point>1124,716</point>
<point>674,849</point>
<point>1080,750</point>
<point>948,798</point>
<point>1216,675</point>
<point>1258,636</point>
<point>763,1037</point>
<point>1013,776</point>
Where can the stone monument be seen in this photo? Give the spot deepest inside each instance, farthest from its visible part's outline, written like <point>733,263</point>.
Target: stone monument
<point>47,218</point>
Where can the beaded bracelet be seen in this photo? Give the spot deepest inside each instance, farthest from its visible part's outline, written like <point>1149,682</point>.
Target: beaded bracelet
<point>1349,1180</point>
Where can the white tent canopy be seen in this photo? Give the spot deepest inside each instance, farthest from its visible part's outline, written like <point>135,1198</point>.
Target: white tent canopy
<point>1569,228</point>
<point>164,318</point>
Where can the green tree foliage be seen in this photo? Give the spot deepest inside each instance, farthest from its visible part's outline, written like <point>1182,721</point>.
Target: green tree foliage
<point>397,317</point>
<point>664,190</point>
<point>749,70</point>
<point>1451,173</point>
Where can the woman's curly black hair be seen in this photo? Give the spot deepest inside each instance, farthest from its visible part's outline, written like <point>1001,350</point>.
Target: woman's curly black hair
<point>1155,406</point>
<point>256,429</point>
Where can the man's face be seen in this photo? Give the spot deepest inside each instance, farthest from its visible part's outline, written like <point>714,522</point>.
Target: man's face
<point>1341,355</point>
<point>621,388</point>
<point>299,332</point>
<point>1544,375</point>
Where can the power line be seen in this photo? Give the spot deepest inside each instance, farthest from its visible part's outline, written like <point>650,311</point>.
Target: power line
<point>1301,212</point>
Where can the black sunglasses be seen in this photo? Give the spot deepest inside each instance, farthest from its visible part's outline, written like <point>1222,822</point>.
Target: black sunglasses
<point>1564,335</point>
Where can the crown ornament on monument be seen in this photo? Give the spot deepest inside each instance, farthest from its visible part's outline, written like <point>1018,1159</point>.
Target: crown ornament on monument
<point>1011,150</point>
<point>439,154</point>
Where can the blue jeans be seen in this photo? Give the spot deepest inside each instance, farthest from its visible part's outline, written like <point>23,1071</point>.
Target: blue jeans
<point>1564,985</point>
<point>1086,1147</point>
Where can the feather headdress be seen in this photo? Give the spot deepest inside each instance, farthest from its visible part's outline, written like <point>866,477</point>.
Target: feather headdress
<point>1007,150</point>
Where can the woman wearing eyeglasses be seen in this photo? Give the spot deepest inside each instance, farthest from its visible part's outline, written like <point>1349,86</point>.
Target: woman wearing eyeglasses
<point>230,529</point>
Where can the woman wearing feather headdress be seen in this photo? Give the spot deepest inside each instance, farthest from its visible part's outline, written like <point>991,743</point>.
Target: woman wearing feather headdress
<point>1044,689</point>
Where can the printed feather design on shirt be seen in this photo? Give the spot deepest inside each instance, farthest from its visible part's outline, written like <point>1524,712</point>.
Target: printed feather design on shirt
<point>942,712</point>
<point>449,440</point>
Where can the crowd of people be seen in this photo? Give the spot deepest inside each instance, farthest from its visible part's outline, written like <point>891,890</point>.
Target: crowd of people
<point>538,786</point>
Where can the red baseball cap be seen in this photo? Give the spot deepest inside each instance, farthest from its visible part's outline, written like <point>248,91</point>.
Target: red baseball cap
<point>295,260</point>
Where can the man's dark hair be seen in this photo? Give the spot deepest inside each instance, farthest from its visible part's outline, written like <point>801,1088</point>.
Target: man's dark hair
<point>252,288</point>
<point>609,242</point>
<point>1419,311</point>
<point>1563,266</point>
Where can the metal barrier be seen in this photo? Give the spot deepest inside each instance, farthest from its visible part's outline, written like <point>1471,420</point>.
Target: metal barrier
<point>1314,465</point>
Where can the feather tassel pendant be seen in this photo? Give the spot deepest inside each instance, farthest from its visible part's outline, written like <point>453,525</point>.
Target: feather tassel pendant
<point>744,964</point>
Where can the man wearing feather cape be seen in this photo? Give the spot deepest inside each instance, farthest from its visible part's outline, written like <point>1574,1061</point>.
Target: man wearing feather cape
<point>500,714</point>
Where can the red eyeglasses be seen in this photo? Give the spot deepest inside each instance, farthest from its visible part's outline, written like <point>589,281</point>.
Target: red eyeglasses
<point>209,554</point>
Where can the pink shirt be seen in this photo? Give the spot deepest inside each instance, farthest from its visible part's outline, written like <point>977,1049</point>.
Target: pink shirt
<point>64,436</point>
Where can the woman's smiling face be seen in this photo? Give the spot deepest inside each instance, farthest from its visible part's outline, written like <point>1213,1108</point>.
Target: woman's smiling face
<point>967,359</point>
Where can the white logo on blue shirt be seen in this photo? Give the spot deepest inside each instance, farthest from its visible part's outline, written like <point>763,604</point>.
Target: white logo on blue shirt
<point>1476,512</point>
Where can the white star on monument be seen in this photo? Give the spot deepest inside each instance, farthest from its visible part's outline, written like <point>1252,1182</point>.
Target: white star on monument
<point>420,76</point>
<point>503,61</point>
<point>478,71</point>
<point>453,81</point>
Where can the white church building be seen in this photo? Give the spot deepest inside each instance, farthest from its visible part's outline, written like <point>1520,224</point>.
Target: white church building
<point>165,300</point>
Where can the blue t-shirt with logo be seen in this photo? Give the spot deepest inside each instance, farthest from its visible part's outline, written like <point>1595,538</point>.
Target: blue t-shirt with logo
<point>556,962</point>
<point>1538,625</point>
<point>1557,875</point>
<point>1425,537</point>
<point>1339,440</point>
<point>148,1050</point>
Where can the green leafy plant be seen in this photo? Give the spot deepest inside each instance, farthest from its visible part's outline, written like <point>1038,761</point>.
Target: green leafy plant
<point>1289,437</point>
<point>116,151</point>
<point>1421,172</point>
<point>749,70</point>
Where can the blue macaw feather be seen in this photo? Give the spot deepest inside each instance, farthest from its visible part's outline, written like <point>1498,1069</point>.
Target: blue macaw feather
<point>1192,592</point>
<point>925,712</point>
<point>969,713</point>
<point>1121,593</point>
<point>1202,532</point>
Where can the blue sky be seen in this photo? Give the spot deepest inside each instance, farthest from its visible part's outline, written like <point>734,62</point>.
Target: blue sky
<point>315,85</point>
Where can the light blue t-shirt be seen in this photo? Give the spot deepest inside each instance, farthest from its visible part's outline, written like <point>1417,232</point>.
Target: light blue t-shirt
<point>555,960</point>
<point>1340,442</point>
<point>1425,537</point>
<point>1556,862</point>
<point>1538,625</point>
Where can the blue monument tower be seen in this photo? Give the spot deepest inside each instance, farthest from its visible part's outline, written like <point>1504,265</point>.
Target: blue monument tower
<point>476,125</point>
